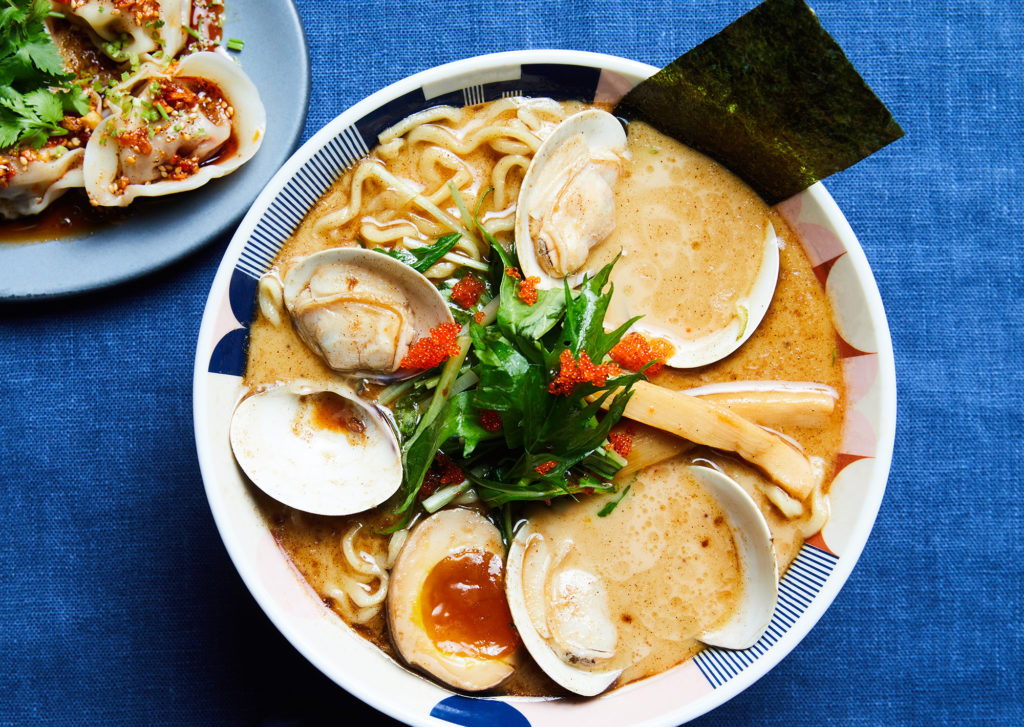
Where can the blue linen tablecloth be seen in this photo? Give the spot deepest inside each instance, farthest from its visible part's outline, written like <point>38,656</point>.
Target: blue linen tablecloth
<point>119,605</point>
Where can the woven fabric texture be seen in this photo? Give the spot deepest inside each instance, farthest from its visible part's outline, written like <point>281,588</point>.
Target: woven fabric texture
<point>119,605</point>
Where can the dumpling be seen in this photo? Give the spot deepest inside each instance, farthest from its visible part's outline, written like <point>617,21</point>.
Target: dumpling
<point>30,179</point>
<point>126,28</point>
<point>173,130</point>
<point>28,188</point>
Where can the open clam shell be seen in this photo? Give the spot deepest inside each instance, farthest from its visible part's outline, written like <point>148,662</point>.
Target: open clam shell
<point>565,634</point>
<point>360,310</point>
<point>751,307</point>
<point>567,206</point>
<point>566,203</point>
<point>757,558</point>
<point>590,596</point>
<point>317,448</point>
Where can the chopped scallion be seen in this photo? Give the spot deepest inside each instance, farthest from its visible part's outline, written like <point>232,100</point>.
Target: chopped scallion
<point>444,496</point>
<point>235,44</point>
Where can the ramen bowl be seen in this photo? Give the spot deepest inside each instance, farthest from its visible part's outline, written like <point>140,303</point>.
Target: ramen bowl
<point>683,692</point>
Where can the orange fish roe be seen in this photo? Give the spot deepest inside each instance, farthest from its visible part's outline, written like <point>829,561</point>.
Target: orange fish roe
<point>621,442</point>
<point>467,291</point>
<point>573,372</point>
<point>429,351</point>
<point>490,420</point>
<point>442,472</point>
<point>450,472</point>
<point>634,352</point>
<point>479,316</point>
<point>543,469</point>
<point>528,290</point>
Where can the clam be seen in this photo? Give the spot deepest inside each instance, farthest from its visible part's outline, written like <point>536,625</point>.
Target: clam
<point>569,204</point>
<point>562,615</point>
<point>589,595</point>
<point>174,130</point>
<point>566,203</point>
<point>360,310</point>
<point>446,605</point>
<point>317,448</point>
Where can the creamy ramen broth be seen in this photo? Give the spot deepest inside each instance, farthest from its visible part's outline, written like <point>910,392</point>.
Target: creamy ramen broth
<point>685,224</point>
<point>688,231</point>
<point>667,559</point>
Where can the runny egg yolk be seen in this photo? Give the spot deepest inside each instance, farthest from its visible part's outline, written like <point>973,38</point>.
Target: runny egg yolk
<point>463,606</point>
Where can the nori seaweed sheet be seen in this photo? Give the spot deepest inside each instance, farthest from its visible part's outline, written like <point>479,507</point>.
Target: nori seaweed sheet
<point>772,97</point>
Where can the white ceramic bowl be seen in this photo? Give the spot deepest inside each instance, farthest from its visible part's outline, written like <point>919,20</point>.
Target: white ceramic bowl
<point>676,696</point>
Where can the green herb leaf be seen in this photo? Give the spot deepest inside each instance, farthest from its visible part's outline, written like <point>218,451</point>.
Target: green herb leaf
<point>549,445</point>
<point>607,509</point>
<point>35,91</point>
<point>46,105</point>
<point>584,316</point>
<point>421,259</point>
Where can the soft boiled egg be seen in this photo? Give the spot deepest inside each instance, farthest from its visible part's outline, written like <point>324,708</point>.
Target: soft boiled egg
<point>446,602</point>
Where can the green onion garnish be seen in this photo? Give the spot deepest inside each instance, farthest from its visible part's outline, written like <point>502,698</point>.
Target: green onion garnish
<point>235,44</point>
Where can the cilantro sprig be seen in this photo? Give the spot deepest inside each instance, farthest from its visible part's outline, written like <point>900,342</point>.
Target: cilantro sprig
<point>35,91</point>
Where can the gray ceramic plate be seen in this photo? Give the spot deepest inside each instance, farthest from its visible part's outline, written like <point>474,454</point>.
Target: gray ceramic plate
<point>276,58</point>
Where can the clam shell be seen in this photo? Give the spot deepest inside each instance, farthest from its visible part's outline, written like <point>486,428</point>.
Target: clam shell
<point>603,137</point>
<point>317,448</point>
<point>757,557</point>
<point>752,307</point>
<point>360,310</point>
<point>525,573</point>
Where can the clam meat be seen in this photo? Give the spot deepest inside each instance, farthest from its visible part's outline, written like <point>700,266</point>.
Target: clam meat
<point>360,310</point>
<point>566,203</point>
